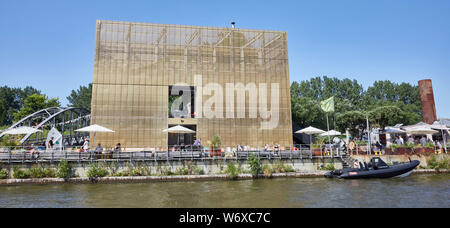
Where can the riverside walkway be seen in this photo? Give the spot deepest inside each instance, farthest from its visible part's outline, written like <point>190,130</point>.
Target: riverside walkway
<point>22,155</point>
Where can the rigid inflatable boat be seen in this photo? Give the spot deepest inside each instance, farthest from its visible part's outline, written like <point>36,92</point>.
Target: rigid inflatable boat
<point>377,168</point>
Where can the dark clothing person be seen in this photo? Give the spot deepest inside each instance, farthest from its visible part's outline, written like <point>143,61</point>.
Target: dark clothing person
<point>117,148</point>
<point>51,143</point>
<point>379,146</point>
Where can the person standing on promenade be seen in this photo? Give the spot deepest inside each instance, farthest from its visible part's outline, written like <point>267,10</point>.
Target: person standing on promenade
<point>423,141</point>
<point>86,145</point>
<point>50,143</point>
<point>402,141</point>
<point>439,145</point>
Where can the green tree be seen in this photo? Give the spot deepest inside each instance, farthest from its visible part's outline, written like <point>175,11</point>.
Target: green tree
<point>386,116</point>
<point>34,103</point>
<point>307,112</point>
<point>81,98</point>
<point>352,120</point>
<point>321,88</point>
<point>352,101</point>
<point>11,101</point>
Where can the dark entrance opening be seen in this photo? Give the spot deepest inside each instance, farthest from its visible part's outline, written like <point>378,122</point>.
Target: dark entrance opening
<point>182,139</point>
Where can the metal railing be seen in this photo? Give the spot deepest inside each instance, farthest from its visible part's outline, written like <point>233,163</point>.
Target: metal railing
<point>37,155</point>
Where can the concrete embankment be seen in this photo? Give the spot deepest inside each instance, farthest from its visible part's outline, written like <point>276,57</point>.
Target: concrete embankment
<point>156,178</point>
<point>211,169</point>
<point>390,159</point>
<point>149,179</point>
<point>208,166</point>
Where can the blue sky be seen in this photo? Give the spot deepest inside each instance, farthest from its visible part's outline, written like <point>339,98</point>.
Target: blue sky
<point>50,44</point>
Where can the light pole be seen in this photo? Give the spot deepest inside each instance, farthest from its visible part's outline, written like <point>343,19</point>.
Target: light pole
<point>368,135</point>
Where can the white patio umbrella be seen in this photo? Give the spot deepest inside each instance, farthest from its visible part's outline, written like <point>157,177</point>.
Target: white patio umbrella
<point>310,131</point>
<point>331,133</point>
<point>179,130</point>
<point>442,128</point>
<point>393,130</point>
<point>421,130</point>
<point>21,131</point>
<point>94,129</point>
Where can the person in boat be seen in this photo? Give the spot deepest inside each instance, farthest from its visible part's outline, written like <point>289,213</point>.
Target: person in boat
<point>239,148</point>
<point>356,164</point>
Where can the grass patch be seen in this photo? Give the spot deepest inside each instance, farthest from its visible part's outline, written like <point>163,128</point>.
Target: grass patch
<point>255,165</point>
<point>437,165</point>
<point>232,171</point>
<point>41,172</point>
<point>4,174</point>
<point>328,167</point>
<point>20,173</point>
<point>64,170</point>
<point>96,171</point>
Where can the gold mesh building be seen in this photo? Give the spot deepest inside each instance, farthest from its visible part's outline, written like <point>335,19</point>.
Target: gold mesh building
<point>137,63</point>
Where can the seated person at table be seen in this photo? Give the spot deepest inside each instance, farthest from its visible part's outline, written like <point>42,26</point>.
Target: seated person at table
<point>117,148</point>
<point>276,147</point>
<point>99,149</point>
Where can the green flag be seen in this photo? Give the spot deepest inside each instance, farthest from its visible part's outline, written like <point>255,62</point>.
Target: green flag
<point>328,105</point>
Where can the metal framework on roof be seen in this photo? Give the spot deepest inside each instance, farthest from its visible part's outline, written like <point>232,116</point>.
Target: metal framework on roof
<point>65,120</point>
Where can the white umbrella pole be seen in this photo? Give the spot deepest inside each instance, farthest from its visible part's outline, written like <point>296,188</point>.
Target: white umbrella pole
<point>445,143</point>
<point>368,136</point>
<point>329,140</point>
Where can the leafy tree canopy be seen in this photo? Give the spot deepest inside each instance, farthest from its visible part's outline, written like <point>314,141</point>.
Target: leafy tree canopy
<point>34,103</point>
<point>81,98</point>
<point>385,103</point>
<point>11,101</point>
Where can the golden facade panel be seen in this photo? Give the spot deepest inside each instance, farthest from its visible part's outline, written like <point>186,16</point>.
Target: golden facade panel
<point>136,63</point>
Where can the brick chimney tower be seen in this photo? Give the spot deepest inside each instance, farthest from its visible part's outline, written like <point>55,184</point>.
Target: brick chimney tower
<point>427,99</point>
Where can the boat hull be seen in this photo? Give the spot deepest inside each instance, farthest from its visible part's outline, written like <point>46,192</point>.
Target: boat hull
<point>393,171</point>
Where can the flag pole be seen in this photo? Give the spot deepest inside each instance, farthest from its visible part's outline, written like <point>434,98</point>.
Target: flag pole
<point>368,136</point>
<point>329,140</point>
<point>334,120</point>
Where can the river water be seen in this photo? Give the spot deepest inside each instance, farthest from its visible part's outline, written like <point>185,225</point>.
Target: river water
<point>413,191</point>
